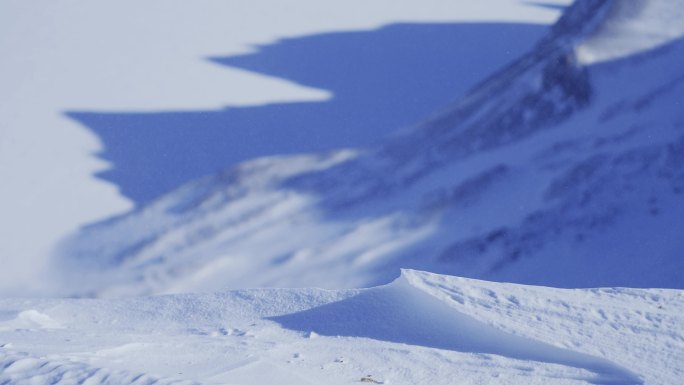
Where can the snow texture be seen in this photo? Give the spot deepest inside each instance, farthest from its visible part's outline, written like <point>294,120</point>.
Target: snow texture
<point>421,328</point>
<point>564,168</point>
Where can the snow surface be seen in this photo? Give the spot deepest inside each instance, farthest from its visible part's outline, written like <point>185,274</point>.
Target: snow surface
<point>420,329</point>
<point>76,55</point>
<point>552,171</point>
<point>631,29</point>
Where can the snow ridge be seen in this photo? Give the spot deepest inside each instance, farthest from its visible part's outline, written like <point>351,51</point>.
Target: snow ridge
<point>404,312</point>
<point>421,328</point>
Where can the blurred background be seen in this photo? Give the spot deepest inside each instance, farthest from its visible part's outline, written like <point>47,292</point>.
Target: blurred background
<point>164,146</point>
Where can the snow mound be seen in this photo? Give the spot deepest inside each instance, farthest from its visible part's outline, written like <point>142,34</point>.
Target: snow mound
<point>417,314</point>
<point>28,319</point>
<point>421,328</point>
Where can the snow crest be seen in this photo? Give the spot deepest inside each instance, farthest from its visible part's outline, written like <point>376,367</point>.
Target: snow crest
<point>421,328</point>
<point>413,310</point>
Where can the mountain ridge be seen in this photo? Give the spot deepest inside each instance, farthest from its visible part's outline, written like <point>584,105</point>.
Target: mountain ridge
<point>545,174</point>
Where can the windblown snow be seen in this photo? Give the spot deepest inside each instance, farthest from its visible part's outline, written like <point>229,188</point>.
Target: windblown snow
<point>546,204</point>
<point>420,329</point>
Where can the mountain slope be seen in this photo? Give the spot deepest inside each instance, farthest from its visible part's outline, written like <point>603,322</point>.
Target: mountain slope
<point>554,171</point>
<point>128,56</point>
<point>421,328</point>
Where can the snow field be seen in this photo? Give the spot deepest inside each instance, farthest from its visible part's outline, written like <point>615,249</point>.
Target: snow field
<point>422,328</point>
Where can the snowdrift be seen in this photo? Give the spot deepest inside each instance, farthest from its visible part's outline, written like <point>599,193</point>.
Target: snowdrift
<point>421,328</point>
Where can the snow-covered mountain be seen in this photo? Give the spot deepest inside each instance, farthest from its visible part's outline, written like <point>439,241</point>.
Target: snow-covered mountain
<point>565,168</point>
<point>420,329</point>
<point>131,60</point>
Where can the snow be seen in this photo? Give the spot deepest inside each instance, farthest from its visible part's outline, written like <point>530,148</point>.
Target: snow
<point>421,328</point>
<point>633,27</point>
<point>75,55</point>
<point>563,169</point>
<point>548,173</point>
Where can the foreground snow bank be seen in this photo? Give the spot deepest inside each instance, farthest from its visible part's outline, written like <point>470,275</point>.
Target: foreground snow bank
<point>422,328</point>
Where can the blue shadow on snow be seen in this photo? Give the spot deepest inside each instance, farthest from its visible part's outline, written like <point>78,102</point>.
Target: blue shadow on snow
<point>382,80</point>
<point>406,315</point>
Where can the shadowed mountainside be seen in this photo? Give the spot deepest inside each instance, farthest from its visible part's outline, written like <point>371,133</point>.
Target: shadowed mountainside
<point>381,80</point>
<point>551,172</point>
